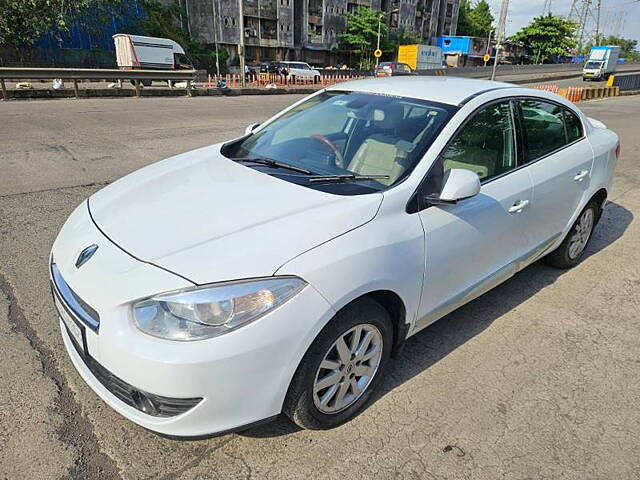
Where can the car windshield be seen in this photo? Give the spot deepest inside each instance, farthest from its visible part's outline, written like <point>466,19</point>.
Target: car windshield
<point>350,134</point>
<point>593,65</point>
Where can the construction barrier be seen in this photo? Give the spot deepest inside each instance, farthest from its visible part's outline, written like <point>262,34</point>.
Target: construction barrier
<point>547,87</point>
<point>577,94</point>
<point>600,92</point>
<point>573,94</point>
<point>274,80</point>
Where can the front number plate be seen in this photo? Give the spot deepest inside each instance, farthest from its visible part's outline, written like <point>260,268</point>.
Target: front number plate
<point>75,330</point>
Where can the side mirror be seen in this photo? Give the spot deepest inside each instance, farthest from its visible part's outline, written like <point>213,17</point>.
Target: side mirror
<point>250,128</point>
<point>458,184</point>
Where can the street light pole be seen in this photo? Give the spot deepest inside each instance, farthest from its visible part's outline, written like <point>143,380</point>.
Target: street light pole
<point>378,44</point>
<point>241,44</point>
<point>488,44</point>
<point>215,36</point>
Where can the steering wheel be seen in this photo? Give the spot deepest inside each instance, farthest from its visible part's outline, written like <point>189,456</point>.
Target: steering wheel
<point>332,146</point>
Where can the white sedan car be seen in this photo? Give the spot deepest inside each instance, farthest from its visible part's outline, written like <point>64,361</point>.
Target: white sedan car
<point>279,272</point>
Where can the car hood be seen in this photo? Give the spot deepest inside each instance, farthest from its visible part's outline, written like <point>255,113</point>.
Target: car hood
<point>208,218</point>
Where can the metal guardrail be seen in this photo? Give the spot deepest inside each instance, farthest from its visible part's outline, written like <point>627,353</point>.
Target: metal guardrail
<point>626,82</point>
<point>76,74</point>
<point>484,71</point>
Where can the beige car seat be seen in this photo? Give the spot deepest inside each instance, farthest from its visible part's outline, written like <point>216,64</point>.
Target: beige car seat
<point>383,153</point>
<point>469,152</point>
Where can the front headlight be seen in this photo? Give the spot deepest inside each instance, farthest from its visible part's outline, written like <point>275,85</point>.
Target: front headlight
<point>213,310</point>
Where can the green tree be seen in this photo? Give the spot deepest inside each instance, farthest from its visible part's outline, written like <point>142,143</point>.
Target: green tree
<point>362,33</point>
<point>474,21</point>
<point>547,37</point>
<point>22,22</point>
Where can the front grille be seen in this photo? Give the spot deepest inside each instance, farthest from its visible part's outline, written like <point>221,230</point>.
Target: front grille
<point>149,403</point>
<point>73,302</point>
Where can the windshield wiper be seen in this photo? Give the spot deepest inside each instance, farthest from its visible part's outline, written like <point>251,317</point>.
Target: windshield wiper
<point>273,164</point>
<point>345,178</point>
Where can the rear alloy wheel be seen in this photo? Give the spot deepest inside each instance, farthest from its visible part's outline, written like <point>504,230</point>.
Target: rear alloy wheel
<point>571,249</point>
<point>341,368</point>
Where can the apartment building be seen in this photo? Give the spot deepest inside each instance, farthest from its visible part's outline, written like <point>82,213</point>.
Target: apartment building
<point>307,30</point>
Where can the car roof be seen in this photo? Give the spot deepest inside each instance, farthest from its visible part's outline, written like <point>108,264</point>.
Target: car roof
<point>443,89</point>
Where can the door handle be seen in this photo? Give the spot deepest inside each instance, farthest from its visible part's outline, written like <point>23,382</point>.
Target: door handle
<point>580,175</point>
<point>518,206</point>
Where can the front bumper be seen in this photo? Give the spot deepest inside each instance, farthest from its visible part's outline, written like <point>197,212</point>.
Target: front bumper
<point>237,379</point>
<point>241,379</point>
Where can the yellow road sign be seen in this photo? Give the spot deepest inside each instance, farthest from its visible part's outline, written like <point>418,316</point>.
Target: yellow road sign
<point>377,53</point>
<point>486,57</point>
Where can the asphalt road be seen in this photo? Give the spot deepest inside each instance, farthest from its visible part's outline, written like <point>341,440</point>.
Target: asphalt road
<point>539,378</point>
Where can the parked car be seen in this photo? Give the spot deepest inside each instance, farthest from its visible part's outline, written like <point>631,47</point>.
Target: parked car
<point>279,272</point>
<point>393,69</point>
<point>299,69</point>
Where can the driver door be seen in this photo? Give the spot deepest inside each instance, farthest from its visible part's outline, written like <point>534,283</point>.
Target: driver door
<point>479,242</point>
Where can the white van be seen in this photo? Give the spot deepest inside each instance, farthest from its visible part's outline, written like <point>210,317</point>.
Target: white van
<point>135,51</point>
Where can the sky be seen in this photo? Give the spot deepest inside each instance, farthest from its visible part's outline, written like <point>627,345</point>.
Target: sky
<point>522,11</point>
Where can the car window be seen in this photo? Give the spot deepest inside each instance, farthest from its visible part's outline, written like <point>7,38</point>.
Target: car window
<point>543,128</point>
<point>573,125</point>
<point>350,133</point>
<point>486,144</point>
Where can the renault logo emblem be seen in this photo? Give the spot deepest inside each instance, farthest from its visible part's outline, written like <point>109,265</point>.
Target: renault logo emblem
<point>86,254</point>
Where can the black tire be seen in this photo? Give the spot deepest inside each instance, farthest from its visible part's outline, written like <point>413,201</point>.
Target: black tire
<point>299,405</point>
<point>560,257</point>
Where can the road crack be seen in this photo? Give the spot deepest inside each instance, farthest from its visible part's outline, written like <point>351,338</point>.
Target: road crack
<point>76,430</point>
<point>55,189</point>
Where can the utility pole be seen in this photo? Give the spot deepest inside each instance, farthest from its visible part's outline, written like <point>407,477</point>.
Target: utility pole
<point>546,10</point>
<point>241,44</point>
<point>583,23</point>
<point>596,40</point>
<point>502,22</point>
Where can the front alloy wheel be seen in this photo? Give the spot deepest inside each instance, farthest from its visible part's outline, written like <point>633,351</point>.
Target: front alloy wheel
<point>347,368</point>
<point>342,367</point>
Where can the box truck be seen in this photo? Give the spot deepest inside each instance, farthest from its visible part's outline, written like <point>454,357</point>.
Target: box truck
<point>420,57</point>
<point>601,62</point>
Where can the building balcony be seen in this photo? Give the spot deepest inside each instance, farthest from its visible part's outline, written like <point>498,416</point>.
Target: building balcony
<point>268,42</point>
<point>268,11</point>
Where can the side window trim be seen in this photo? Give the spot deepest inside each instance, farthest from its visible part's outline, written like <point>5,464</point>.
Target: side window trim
<point>414,204</point>
<point>553,152</point>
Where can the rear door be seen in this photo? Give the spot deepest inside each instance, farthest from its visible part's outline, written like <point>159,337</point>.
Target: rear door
<point>477,243</point>
<point>559,160</point>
